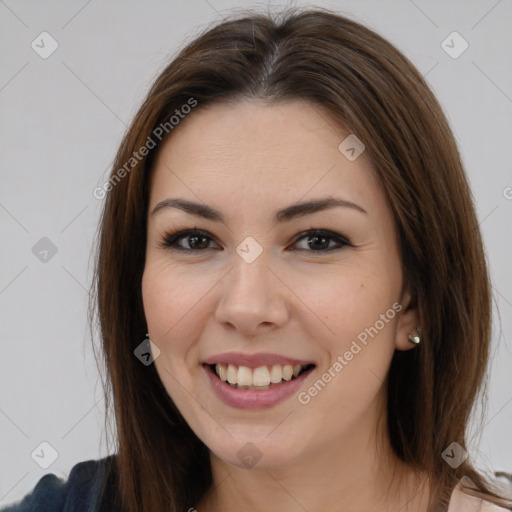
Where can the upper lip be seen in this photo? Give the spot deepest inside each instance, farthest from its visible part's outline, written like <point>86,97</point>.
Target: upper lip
<point>254,360</point>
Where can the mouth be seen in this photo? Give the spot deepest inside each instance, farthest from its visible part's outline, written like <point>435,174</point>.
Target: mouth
<point>261,378</point>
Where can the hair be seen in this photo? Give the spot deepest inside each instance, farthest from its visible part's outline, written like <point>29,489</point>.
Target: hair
<point>362,80</point>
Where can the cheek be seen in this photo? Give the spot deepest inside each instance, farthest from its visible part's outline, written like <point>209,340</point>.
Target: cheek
<point>359,341</point>
<point>359,346</point>
<point>345,303</point>
<point>171,306</point>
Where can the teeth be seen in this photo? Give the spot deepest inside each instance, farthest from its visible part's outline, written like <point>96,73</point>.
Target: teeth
<point>276,374</point>
<point>222,372</point>
<point>260,377</point>
<point>232,374</point>
<point>287,372</point>
<point>244,376</point>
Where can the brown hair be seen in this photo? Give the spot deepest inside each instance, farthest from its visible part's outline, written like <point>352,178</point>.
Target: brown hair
<point>368,85</point>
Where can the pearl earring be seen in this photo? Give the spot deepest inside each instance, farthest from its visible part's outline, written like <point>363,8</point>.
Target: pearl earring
<point>415,339</point>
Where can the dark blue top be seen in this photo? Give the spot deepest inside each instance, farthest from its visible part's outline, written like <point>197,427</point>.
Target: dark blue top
<point>81,492</point>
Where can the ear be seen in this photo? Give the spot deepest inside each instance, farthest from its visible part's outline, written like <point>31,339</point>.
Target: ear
<point>407,323</point>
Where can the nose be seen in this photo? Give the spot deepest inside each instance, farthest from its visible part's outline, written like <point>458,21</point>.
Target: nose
<point>253,298</point>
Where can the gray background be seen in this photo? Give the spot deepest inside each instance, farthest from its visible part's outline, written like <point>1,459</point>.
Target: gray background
<point>62,119</point>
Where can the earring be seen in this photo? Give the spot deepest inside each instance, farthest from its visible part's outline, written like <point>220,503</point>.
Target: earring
<point>415,339</point>
<point>147,335</point>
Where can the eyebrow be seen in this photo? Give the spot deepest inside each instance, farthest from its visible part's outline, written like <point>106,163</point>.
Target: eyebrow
<point>284,215</point>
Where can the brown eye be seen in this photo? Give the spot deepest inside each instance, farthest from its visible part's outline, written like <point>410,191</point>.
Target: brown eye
<point>195,240</point>
<point>319,240</point>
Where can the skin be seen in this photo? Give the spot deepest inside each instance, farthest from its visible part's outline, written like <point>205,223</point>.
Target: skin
<point>247,160</point>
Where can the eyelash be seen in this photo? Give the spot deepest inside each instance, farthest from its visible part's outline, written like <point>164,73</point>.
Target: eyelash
<point>170,239</point>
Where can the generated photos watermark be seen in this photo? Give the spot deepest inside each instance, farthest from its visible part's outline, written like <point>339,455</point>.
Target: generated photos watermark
<point>304,397</point>
<point>152,140</point>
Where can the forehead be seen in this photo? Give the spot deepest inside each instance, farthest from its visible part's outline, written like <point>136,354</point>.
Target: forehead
<point>259,153</point>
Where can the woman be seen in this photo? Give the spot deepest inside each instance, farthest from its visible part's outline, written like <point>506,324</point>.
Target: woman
<point>307,324</point>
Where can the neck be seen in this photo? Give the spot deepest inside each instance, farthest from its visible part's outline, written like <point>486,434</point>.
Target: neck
<point>359,474</point>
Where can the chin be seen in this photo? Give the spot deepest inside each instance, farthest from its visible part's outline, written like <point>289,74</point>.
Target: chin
<point>255,452</point>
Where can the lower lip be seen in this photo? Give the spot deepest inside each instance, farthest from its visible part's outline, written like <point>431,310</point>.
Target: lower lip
<point>253,399</point>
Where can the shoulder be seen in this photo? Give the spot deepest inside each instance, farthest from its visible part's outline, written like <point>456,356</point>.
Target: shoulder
<point>81,492</point>
<point>462,502</point>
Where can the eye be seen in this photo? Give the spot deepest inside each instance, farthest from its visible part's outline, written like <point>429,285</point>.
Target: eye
<point>321,239</point>
<point>196,240</point>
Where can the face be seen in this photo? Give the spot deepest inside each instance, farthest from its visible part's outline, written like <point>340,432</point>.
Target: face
<point>302,324</point>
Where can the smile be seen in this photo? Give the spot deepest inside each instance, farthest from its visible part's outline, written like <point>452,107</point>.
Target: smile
<point>244,393</point>
<point>261,378</point>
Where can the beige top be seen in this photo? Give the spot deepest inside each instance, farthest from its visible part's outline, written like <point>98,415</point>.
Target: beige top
<point>462,502</point>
